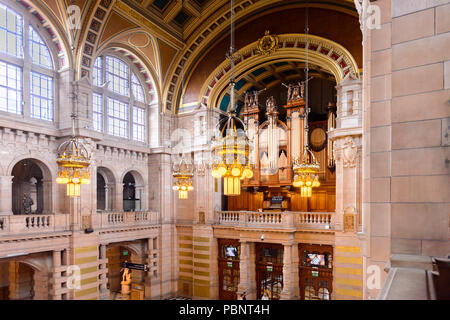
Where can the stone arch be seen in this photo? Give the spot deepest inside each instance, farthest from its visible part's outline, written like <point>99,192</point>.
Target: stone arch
<point>145,68</point>
<point>105,192</point>
<point>134,190</point>
<point>56,37</point>
<point>325,53</point>
<point>48,185</point>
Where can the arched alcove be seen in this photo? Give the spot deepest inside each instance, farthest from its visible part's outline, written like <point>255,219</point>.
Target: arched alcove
<point>31,187</point>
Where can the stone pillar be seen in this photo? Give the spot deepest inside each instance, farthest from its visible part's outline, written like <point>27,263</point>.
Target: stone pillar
<point>288,283</point>
<point>56,275</point>
<point>41,288</point>
<point>244,263</point>
<point>148,274</point>
<point>104,291</point>
<point>47,196</point>
<point>347,140</point>
<point>6,195</point>
<point>118,203</point>
<point>140,194</point>
<point>107,196</point>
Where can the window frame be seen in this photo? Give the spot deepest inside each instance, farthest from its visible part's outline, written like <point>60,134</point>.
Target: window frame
<point>130,100</point>
<point>27,66</point>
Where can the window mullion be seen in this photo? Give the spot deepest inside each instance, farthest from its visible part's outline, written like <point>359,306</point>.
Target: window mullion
<point>26,72</point>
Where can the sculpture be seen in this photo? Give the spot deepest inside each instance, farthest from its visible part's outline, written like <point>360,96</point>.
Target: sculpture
<point>126,281</point>
<point>27,202</point>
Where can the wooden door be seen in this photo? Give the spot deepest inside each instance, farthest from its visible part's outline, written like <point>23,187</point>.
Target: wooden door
<point>229,268</point>
<point>269,270</point>
<point>315,272</point>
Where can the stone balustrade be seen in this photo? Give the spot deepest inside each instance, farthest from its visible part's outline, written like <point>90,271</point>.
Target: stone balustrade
<point>24,225</point>
<point>286,219</point>
<point>127,219</point>
<point>32,224</point>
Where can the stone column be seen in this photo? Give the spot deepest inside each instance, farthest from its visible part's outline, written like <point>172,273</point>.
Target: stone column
<point>107,190</point>
<point>148,274</point>
<point>6,195</point>
<point>244,263</point>
<point>347,139</point>
<point>47,196</point>
<point>288,283</point>
<point>104,292</point>
<point>56,274</point>
<point>140,194</point>
<point>41,288</point>
<point>118,203</point>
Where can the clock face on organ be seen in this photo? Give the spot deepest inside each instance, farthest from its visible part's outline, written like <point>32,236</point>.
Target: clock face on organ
<point>318,139</point>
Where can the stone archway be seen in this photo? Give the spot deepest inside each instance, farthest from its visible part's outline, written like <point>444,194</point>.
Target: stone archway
<point>134,193</point>
<point>106,184</point>
<point>322,52</point>
<point>32,179</point>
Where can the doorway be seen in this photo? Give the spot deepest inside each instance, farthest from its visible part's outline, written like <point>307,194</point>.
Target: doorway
<point>229,268</point>
<point>269,270</point>
<point>315,271</point>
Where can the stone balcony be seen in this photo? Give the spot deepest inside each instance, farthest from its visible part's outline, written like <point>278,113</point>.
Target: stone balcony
<point>38,225</point>
<point>289,220</point>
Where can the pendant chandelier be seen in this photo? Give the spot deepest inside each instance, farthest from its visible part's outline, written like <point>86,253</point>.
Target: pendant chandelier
<point>182,178</point>
<point>306,172</point>
<point>73,164</point>
<point>231,146</point>
<point>182,172</point>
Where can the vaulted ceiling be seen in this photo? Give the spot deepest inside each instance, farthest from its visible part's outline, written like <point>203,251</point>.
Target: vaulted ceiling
<point>164,38</point>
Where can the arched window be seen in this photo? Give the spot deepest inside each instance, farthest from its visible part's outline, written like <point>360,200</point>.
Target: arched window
<point>119,101</point>
<point>21,45</point>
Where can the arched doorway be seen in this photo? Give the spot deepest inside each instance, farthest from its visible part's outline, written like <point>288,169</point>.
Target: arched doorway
<point>106,184</point>
<point>117,254</point>
<point>133,192</point>
<point>101,184</point>
<point>16,281</point>
<point>129,193</point>
<point>31,187</point>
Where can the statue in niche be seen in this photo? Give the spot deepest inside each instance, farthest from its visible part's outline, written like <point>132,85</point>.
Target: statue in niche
<point>27,202</point>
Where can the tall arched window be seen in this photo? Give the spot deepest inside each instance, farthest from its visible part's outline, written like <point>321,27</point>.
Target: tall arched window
<point>26,68</point>
<point>119,101</point>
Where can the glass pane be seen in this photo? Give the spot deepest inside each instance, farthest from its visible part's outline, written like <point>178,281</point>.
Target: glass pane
<point>39,52</point>
<point>11,88</point>
<point>10,32</point>
<point>41,96</point>
<point>117,75</point>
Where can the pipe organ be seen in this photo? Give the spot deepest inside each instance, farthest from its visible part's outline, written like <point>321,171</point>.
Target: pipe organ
<point>275,145</point>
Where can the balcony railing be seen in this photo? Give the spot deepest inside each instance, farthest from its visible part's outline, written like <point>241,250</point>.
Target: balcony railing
<point>34,224</point>
<point>128,219</point>
<point>285,219</point>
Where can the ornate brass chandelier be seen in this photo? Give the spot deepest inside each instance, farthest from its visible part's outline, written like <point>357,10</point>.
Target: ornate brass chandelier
<point>306,171</point>
<point>73,164</point>
<point>182,178</point>
<point>231,146</point>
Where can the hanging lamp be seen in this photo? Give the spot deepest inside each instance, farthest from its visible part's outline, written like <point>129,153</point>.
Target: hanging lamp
<point>306,172</point>
<point>73,164</point>
<point>182,172</point>
<point>231,146</point>
<point>182,175</point>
